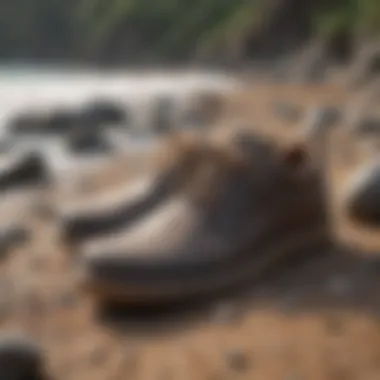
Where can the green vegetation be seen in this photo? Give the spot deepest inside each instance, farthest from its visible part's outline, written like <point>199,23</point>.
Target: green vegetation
<point>125,30</point>
<point>348,16</point>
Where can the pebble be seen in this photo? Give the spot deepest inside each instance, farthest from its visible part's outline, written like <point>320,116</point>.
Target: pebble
<point>237,360</point>
<point>86,143</point>
<point>101,111</point>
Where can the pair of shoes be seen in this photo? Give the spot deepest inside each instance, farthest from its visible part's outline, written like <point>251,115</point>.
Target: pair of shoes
<point>221,215</point>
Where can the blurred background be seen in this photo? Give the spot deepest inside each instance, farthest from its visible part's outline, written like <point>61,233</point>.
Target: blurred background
<point>131,32</point>
<point>90,88</point>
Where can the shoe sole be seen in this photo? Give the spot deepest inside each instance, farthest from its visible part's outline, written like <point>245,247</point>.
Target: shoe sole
<point>179,288</point>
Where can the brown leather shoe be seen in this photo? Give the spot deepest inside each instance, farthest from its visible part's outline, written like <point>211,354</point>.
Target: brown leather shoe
<point>234,215</point>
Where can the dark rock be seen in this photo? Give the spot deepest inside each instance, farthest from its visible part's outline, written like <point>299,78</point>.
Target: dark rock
<point>20,359</point>
<point>103,112</point>
<point>23,169</point>
<point>54,122</point>
<point>26,123</point>
<point>361,199</point>
<point>88,142</point>
<point>61,121</point>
